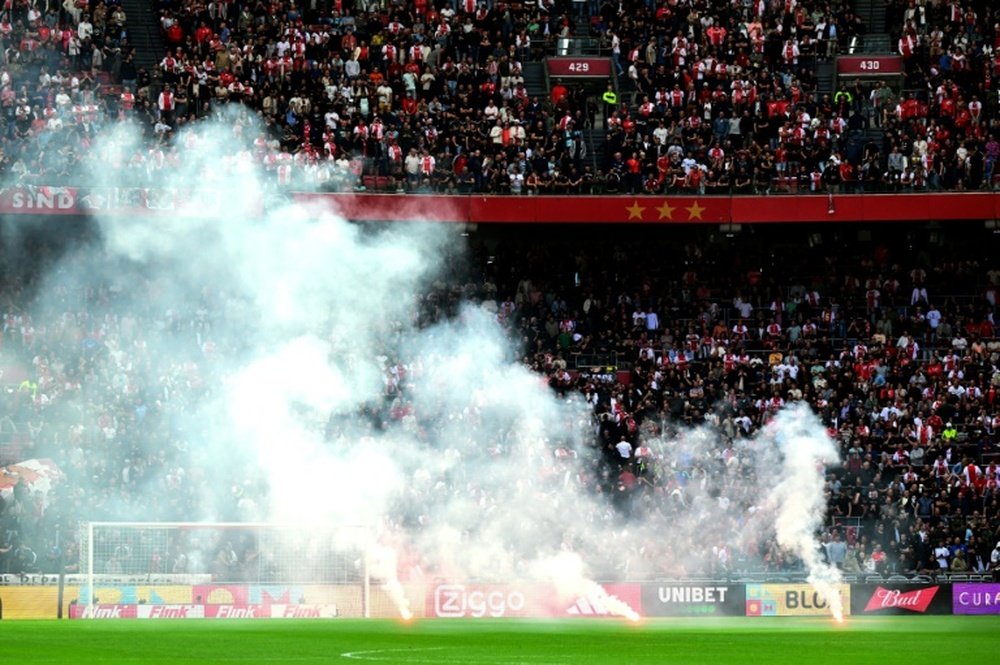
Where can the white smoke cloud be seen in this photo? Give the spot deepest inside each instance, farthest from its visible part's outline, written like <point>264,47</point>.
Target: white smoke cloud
<point>278,330</point>
<point>797,496</point>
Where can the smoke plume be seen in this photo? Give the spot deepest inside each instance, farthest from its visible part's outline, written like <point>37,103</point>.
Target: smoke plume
<point>267,361</point>
<point>797,496</point>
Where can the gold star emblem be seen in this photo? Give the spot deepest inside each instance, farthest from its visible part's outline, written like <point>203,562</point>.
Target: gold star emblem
<point>666,210</point>
<point>635,210</point>
<point>695,210</point>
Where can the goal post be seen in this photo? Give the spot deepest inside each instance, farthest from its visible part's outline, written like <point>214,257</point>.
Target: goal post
<point>241,567</point>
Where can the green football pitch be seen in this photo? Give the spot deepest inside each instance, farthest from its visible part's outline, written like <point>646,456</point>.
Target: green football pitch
<point>882,640</point>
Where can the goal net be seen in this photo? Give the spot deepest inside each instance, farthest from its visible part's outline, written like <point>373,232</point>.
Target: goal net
<point>233,569</point>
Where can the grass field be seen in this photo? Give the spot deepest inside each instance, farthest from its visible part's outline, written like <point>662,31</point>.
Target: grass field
<point>882,640</point>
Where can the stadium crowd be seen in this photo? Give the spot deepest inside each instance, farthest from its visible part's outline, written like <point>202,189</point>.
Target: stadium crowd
<point>895,350</point>
<point>715,97</point>
<point>430,96</point>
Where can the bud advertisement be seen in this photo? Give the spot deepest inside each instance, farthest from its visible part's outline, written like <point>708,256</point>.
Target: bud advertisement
<point>976,598</point>
<point>689,600</point>
<point>901,599</point>
<point>790,600</point>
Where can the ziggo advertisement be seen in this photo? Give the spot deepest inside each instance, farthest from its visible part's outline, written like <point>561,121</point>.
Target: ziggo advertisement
<point>488,601</point>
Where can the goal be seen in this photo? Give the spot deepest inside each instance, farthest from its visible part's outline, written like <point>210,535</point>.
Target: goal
<point>234,569</point>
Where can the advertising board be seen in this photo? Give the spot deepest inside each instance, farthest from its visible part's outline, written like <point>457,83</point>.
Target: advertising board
<point>103,611</point>
<point>196,611</point>
<point>29,602</point>
<point>494,601</point>
<point>901,598</point>
<point>683,599</point>
<point>975,598</point>
<point>787,600</point>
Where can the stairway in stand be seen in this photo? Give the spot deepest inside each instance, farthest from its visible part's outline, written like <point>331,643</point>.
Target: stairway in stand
<point>872,13</point>
<point>826,78</point>
<point>534,80</point>
<point>597,145</point>
<point>876,38</point>
<point>144,32</point>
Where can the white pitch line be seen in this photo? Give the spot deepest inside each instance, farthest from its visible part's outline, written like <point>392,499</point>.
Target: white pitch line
<point>382,656</point>
<point>375,654</point>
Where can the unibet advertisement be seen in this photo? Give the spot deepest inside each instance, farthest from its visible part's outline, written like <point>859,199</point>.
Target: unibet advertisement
<point>791,600</point>
<point>689,600</point>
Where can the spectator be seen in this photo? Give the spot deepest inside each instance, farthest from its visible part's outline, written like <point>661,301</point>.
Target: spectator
<point>836,550</point>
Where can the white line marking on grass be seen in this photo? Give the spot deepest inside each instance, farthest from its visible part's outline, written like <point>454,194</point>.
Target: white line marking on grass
<point>392,656</point>
<point>378,654</point>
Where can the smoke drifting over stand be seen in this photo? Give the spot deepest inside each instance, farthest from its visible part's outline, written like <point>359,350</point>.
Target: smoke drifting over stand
<point>280,364</point>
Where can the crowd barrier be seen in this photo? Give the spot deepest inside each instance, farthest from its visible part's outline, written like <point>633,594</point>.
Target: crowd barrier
<point>483,601</point>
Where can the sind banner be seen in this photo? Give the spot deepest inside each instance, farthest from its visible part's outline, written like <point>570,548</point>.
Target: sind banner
<point>976,598</point>
<point>688,600</point>
<point>901,598</point>
<point>51,200</point>
<point>789,600</point>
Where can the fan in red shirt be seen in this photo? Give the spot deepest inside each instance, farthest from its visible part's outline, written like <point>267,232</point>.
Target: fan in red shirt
<point>202,34</point>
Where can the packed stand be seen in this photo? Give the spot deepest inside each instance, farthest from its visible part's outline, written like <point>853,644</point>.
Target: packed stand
<point>59,60</point>
<point>356,90</point>
<point>730,103</point>
<point>897,353</point>
<point>423,97</point>
<point>430,96</point>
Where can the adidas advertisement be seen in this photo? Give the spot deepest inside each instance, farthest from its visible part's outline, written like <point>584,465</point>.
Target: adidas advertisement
<point>688,600</point>
<point>609,602</point>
